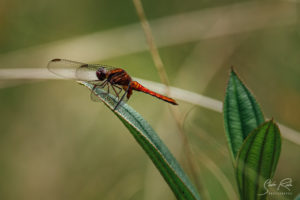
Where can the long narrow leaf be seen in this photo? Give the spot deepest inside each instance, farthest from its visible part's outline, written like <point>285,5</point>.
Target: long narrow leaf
<point>241,113</point>
<point>152,145</point>
<point>257,160</point>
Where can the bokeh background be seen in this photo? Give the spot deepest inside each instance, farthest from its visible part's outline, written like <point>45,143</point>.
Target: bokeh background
<point>55,143</point>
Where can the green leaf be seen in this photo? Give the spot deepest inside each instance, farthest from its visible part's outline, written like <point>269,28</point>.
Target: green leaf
<point>241,113</point>
<point>257,160</point>
<point>297,197</point>
<point>152,145</point>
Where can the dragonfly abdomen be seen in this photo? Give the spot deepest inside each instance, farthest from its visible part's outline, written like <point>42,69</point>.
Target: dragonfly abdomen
<point>138,87</point>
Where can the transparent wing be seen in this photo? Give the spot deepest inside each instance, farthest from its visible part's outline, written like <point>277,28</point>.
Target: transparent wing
<point>74,70</point>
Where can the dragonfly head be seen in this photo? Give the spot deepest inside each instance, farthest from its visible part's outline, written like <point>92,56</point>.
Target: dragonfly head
<point>101,73</point>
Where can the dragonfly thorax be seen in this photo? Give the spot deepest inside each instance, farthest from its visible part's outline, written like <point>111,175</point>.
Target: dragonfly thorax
<point>101,73</point>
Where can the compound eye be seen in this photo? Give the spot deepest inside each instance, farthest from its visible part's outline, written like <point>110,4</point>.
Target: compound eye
<point>100,74</point>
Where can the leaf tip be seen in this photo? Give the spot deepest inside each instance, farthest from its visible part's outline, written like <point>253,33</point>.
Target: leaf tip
<point>272,121</point>
<point>232,70</point>
<point>80,83</point>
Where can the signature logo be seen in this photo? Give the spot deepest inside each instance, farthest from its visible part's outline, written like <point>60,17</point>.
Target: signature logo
<point>284,184</point>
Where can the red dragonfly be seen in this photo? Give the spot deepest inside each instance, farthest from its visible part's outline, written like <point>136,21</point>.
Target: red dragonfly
<point>102,76</point>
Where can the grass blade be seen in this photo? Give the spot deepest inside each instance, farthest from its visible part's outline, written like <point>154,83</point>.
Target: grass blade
<point>152,145</point>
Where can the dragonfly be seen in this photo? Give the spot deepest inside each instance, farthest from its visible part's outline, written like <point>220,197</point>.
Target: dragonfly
<point>115,80</point>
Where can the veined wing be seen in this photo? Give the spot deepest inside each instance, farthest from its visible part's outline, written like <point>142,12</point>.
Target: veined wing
<point>74,70</point>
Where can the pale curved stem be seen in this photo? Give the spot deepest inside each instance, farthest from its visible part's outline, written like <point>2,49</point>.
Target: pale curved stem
<point>177,93</point>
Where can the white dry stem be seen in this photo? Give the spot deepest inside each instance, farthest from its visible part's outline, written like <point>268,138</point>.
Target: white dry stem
<point>177,93</point>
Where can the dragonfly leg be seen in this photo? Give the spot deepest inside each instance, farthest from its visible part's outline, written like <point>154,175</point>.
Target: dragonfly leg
<point>103,84</point>
<point>97,82</point>
<point>94,88</point>
<point>100,86</point>
<point>117,93</point>
<point>120,89</point>
<point>108,89</point>
<point>123,95</point>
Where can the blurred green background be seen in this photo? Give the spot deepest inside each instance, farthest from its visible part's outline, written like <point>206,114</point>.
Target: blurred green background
<point>55,143</point>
